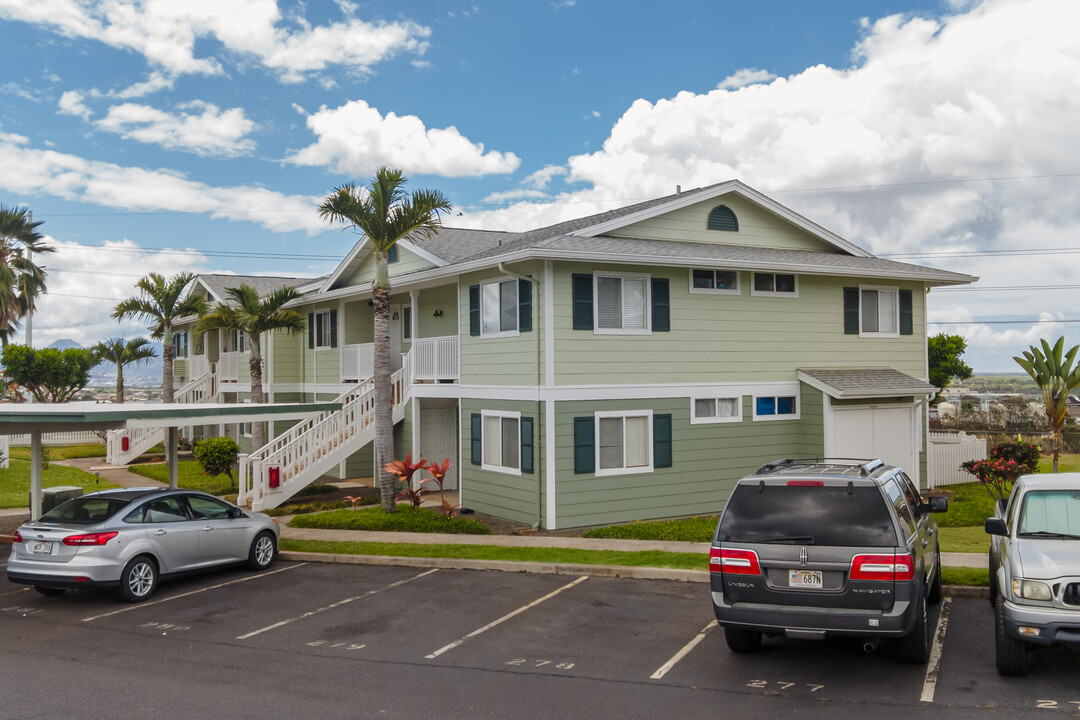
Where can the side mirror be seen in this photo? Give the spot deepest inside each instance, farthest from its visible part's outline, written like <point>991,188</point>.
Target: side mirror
<point>936,504</point>
<point>996,526</point>
<point>235,512</point>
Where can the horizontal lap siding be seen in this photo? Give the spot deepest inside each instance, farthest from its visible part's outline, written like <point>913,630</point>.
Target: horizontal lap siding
<point>288,359</point>
<point>730,338</point>
<point>757,227</point>
<point>359,324</point>
<point>507,496</point>
<point>502,361</point>
<point>407,263</point>
<point>707,461</point>
<point>443,298</point>
<point>361,464</point>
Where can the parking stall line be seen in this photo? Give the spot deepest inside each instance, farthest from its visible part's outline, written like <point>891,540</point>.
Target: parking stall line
<point>663,670</point>
<point>14,592</point>
<point>339,603</point>
<point>193,592</point>
<point>934,666</point>
<point>504,618</point>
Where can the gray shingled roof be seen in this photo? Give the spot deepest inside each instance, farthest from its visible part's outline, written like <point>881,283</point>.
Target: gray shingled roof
<point>457,244</point>
<point>264,285</point>
<point>864,383</point>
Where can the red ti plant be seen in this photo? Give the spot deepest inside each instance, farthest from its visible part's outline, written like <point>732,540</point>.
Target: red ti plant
<point>438,474</point>
<point>405,469</point>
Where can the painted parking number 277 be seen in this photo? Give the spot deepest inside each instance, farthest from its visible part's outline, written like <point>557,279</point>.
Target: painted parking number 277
<point>541,663</point>
<point>765,685</point>
<point>1055,705</point>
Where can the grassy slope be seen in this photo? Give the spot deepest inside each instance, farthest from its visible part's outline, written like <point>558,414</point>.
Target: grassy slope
<point>190,477</point>
<point>405,519</point>
<point>15,482</point>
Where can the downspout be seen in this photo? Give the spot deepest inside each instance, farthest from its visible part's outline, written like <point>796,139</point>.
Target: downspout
<point>539,384</point>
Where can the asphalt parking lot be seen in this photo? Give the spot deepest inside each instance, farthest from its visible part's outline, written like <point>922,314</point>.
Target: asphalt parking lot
<point>579,639</point>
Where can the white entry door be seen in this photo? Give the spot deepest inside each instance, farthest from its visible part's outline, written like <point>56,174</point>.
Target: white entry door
<point>886,432</point>
<point>439,441</point>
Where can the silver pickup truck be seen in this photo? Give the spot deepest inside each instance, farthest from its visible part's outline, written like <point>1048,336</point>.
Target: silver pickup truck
<point>1035,568</point>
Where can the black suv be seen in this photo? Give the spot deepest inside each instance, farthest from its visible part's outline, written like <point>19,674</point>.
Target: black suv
<point>824,547</point>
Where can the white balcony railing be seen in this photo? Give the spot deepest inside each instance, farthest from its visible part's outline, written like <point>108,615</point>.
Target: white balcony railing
<point>435,358</point>
<point>198,365</point>
<point>228,366</point>
<point>357,362</point>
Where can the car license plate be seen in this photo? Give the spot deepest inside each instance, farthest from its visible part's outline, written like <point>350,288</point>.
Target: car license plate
<point>41,547</point>
<point>809,579</point>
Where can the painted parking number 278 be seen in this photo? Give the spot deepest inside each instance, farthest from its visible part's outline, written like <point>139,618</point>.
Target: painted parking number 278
<point>540,663</point>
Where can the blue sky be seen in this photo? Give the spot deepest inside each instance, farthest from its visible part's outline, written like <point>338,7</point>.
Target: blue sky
<point>942,133</point>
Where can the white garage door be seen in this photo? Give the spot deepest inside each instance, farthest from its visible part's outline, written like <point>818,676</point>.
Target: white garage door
<point>883,432</point>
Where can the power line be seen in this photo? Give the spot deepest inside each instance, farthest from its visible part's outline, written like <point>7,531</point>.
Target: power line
<point>1001,322</point>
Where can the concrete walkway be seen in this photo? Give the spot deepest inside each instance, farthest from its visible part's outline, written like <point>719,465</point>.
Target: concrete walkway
<point>116,475</point>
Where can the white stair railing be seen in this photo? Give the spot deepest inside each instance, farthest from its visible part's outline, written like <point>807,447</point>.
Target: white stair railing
<point>139,440</point>
<point>296,458</point>
<point>202,389</point>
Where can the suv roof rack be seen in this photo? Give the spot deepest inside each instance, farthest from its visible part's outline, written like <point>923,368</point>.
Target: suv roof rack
<point>865,467</point>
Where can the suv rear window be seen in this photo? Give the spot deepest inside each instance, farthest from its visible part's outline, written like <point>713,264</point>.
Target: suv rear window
<point>84,511</point>
<point>807,516</point>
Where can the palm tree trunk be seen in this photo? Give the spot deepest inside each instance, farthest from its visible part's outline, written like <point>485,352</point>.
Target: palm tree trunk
<point>384,409</point>
<point>119,384</point>
<point>167,365</point>
<point>258,429</point>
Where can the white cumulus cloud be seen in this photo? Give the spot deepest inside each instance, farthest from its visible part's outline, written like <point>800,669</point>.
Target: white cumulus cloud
<point>199,127</point>
<point>71,103</point>
<point>355,139</point>
<point>744,77</point>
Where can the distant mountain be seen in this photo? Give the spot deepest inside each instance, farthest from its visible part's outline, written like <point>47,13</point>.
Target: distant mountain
<point>145,374</point>
<point>64,344</point>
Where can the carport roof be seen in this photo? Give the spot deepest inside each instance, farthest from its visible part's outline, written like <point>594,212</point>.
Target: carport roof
<point>848,384</point>
<point>16,419</point>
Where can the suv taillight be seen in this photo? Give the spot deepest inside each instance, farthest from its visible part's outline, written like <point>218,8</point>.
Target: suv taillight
<point>90,539</point>
<point>734,562</point>
<point>883,567</point>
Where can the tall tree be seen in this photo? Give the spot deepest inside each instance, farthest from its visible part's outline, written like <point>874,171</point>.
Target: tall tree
<point>1056,377</point>
<point>49,374</point>
<point>21,280</point>
<point>944,353</point>
<point>385,213</point>
<point>121,352</point>
<point>161,303</point>
<point>249,314</point>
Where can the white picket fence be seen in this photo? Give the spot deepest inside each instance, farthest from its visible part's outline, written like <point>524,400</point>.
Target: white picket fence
<point>67,438</point>
<point>946,451</point>
<point>5,451</point>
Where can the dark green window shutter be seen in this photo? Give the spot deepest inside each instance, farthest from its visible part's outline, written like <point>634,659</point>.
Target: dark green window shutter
<point>392,254</point>
<point>477,429</point>
<point>527,445</point>
<point>661,305</point>
<point>524,306</point>
<point>583,300</point>
<point>722,218</point>
<point>311,330</point>
<point>474,309</point>
<point>584,445</point>
<point>851,311</point>
<point>661,440</point>
<point>333,328</point>
<point>907,320</point>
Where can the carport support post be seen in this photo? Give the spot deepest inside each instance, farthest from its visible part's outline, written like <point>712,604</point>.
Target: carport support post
<point>170,456</point>
<point>35,474</point>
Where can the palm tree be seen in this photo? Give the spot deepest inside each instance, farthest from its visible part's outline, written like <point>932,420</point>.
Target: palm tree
<point>121,352</point>
<point>161,303</point>
<point>21,281</point>
<point>253,317</point>
<point>385,213</point>
<point>1056,378</point>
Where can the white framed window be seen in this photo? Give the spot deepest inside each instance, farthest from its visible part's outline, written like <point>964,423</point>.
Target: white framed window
<point>499,308</point>
<point>244,429</point>
<point>406,323</point>
<point>624,442</point>
<point>180,344</point>
<point>776,407</point>
<point>235,341</point>
<point>622,304</point>
<point>714,282</point>
<point>500,442</point>
<point>775,285</point>
<point>716,409</point>
<point>879,311</point>
<point>323,329</point>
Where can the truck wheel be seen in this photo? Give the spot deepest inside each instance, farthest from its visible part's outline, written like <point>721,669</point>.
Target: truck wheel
<point>915,646</point>
<point>742,641</point>
<point>1012,654</point>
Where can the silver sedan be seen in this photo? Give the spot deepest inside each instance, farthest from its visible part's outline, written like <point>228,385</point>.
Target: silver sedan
<point>131,538</point>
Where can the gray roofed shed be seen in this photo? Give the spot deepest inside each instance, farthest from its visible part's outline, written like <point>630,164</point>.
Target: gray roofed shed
<point>854,384</point>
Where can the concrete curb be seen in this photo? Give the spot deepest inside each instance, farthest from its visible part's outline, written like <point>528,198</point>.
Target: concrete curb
<point>966,591</point>
<point>641,573</point>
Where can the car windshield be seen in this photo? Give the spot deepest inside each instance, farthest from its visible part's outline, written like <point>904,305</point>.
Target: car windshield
<point>807,515</point>
<point>1051,513</point>
<point>87,510</point>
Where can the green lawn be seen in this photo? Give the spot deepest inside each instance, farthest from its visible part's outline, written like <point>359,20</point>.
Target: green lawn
<point>1066,463</point>
<point>406,519</point>
<point>964,539</point>
<point>969,505</point>
<point>63,452</point>
<point>189,476</point>
<point>15,482</point>
<point>965,576</point>
<point>647,558</point>
<point>692,529</point>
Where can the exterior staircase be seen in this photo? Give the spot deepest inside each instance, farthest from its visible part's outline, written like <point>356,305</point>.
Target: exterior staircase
<point>291,461</point>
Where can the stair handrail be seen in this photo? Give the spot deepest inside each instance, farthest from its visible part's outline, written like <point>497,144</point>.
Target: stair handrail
<point>187,389</point>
